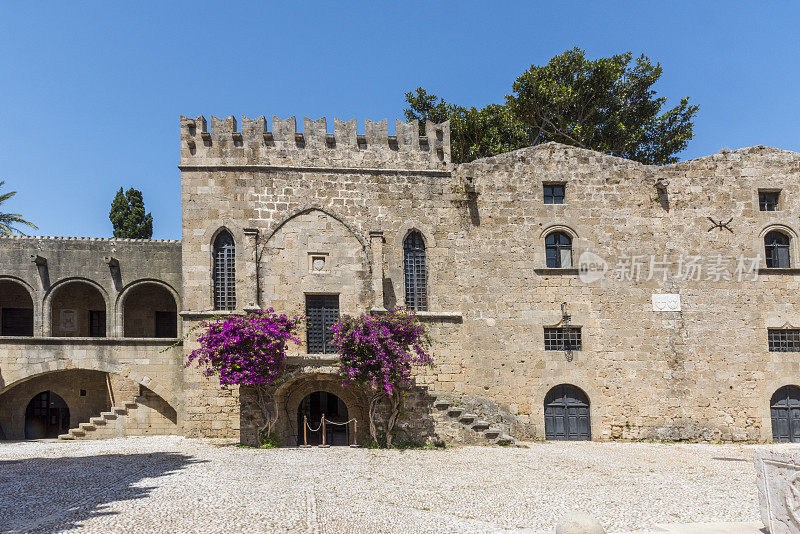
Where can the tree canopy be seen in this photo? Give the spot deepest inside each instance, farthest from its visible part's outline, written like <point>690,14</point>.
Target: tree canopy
<point>607,104</point>
<point>128,215</point>
<point>8,220</point>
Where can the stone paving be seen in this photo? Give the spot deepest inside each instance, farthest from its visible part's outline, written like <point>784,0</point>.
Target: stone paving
<point>173,484</point>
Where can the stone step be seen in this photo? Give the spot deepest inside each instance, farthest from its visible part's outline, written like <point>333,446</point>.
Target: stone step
<point>66,436</point>
<point>455,411</point>
<point>119,410</point>
<point>442,404</point>
<point>108,416</point>
<point>97,420</point>
<point>492,433</point>
<point>77,432</point>
<point>481,425</point>
<point>505,439</point>
<point>130,404</point>
<point>87,427</point>
<point>467,418</point>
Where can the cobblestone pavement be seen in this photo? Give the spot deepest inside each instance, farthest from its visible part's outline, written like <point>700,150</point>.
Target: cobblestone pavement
<point>172,484</point>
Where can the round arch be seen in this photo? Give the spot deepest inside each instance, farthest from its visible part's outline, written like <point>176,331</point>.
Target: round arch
<point>315,207</point>
<point>787,231</point>
<point>66,365</point>
<point>46,416</point>
<point>56,288</point>
<point>578,380</point>
<point>559,228</point>
<point>291,394</point>
<point>122,296</point>
<point>785,414</point>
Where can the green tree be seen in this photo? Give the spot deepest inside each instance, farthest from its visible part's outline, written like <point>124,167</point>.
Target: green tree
<point>607,105</point>
<point>474,133</point>
<point>128,216</point>
<point>8,220</point>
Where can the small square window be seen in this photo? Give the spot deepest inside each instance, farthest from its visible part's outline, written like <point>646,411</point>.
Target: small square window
<point>784,339</point>
<point>562,338</point>
<point>768,200</point>
<point>83,393</point>
<point>553,193</point>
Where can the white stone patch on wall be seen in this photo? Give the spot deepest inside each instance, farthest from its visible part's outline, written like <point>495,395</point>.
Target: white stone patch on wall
<point>666,302</point>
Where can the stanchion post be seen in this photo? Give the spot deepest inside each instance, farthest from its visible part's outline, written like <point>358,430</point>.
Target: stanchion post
<point>323,432</point>
<point>355,433</point>
<point>305,444</point>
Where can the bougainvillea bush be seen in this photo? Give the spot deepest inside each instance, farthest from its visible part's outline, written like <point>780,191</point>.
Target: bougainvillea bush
<point>247,350</point>
<point>380,352</point>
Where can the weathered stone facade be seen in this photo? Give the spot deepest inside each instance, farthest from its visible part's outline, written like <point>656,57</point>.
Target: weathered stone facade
<point>700,371</point>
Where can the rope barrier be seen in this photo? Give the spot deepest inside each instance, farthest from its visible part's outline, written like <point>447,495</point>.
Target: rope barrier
<point>321,426</point>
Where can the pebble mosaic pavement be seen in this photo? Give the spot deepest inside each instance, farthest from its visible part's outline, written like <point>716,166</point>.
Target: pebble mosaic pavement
<point>172,484</point>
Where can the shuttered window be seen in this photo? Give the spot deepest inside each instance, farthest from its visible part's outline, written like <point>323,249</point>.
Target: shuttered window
<point>322,312</point>
<point>416,273</point>
<point>224,272</point>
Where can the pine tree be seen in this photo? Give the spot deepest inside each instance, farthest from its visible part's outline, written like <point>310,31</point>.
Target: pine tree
<point>128,216</point>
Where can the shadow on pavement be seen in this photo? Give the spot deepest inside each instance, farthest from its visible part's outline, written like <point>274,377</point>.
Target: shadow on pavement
<point>57,494</point>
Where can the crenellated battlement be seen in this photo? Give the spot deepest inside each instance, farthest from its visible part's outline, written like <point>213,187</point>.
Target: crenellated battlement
<point>221,142</point>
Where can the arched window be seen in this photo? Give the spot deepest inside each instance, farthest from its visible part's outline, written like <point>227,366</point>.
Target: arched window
<point>776,250</point>
<point>558,250</point>
<point>416,272</point>
<point>224,272</point>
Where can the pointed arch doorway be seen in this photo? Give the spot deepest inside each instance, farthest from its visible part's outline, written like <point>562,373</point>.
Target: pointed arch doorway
<point>46,416</point>
<point>312,408</point>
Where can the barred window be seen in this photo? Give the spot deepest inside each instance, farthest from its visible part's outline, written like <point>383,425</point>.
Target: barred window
<point>224,272</point>
<point>554,193</point>
<point>558,250</point>
<point>776,249</point>
<point>768,200</point>
<point>562,338</point>
<point>322,312</point>
<point>784,339</point>
<point>416,273</point>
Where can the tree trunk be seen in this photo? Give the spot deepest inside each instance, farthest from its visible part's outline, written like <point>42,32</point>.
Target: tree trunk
<point>373,403</point>
<point>394,399</point>
<point>268,406</point>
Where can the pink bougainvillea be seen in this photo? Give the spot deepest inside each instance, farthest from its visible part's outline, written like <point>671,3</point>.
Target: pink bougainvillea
<point>380,351</point>
<point>245,350</point>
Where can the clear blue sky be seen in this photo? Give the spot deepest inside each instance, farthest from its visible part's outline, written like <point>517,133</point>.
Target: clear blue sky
<point>90,92</point>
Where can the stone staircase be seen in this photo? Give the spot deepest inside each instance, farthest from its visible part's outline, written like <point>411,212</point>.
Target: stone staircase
<point>470,421</point>
<point>109,424</point>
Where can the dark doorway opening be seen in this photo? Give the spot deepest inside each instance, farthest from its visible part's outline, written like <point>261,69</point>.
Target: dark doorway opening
<point>311,410</point>
<point>46,416</point>
<point>566,414</point>
<point>785,413</point>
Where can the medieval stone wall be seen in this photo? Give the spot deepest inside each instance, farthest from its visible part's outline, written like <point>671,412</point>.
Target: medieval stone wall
<point>701,373</point>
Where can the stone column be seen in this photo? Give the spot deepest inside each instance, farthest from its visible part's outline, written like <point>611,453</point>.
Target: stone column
<point>250,278</point>
<point>376,250</point>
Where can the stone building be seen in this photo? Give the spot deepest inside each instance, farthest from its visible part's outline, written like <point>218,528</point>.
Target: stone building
<point>571,294</point>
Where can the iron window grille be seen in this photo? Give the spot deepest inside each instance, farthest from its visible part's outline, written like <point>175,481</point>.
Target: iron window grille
<point>224,272</point>
<point>558,250</point>
<point>322,312</point>
<point>776,250</point>
<point>554,193</point>
<point>784,339</point>
<point>562,338</point>
<point>416,273</point>
<point>768,200</point>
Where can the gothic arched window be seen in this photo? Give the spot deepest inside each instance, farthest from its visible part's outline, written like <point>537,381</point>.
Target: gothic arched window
<point>558,250</point>
<point>224,272</point>
<point>776,249</point>
<point>416,272</point>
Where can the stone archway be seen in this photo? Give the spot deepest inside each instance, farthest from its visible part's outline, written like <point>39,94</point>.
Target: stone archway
<point>289,396</point>
<point>46,416</point>
<point>337,428</point>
